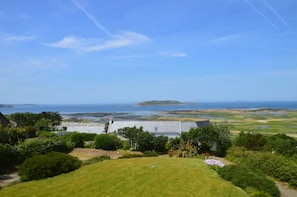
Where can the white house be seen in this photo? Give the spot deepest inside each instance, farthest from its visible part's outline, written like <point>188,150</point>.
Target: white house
<point>167,128</point>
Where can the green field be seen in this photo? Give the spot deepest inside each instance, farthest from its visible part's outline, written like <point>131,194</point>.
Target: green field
<point>269,121</point>
<point>158,176</point>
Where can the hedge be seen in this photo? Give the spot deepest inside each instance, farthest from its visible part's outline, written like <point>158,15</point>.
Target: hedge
<point>275,165</point>
<point>249,178</point>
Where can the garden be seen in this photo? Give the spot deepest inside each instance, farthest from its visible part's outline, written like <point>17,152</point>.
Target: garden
<point>35,151</point>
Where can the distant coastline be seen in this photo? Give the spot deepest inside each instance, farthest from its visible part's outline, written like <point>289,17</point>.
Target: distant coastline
<point>6,106</point>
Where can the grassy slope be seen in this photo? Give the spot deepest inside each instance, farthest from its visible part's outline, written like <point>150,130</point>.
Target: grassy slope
<point>159,176</point>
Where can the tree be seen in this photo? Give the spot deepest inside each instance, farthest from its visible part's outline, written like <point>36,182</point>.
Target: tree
<point>24,119</point>
<point>214,138</point>
<point>52,119</point>
<point>145,141</point>
<point>159,143</point>
<point>106,125</point>
<point>131,133</point>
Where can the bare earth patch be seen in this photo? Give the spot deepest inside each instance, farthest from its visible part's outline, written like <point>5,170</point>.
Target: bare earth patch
<point>88,153</point>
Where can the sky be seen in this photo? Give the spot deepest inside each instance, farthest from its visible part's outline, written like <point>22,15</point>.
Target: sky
<point>111,51</point>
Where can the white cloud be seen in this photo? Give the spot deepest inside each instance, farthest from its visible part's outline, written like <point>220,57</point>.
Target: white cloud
<point>19,38</point>
<point>88,45</point>
<point>174,54</point>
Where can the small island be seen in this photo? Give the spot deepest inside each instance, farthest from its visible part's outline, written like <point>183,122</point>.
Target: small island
<point>159,102</point>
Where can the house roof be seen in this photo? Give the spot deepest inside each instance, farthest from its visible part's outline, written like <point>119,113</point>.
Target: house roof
<point>168,128</point>
<point>3,120</point>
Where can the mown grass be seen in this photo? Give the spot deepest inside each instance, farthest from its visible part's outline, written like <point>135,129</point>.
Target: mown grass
<point>157,176</point>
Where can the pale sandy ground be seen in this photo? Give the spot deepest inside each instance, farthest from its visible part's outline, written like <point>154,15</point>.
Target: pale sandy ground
<point>84,127</point>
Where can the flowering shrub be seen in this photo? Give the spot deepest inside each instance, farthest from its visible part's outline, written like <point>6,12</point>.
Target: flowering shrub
<point>214,164</point>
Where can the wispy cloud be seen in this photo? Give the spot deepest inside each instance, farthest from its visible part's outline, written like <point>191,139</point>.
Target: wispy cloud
<point>227,38</point>
<point>129,56</point>
<point>89,45</point>
<point>261,14</point>
<point>92,18</point>
<point>114,41</point>
<point>174,54</point>
<point>19,38</point>
<point>276,14</point>
<point>15,38</point>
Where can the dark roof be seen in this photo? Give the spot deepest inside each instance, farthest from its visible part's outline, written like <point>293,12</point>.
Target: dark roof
<point>3,120</point>
<point>203,123</point>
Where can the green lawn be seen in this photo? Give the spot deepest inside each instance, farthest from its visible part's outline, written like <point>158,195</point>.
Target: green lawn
<point>157,176</point>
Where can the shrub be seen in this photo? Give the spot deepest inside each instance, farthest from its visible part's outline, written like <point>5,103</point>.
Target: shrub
<point>74,140</point>
<point>43,166</point>
<point>159,144</point>
<point>36,146</point>
<point>281,144</point>
<point>88,136</point>
<point>186,149</point>
<point>251,141</point>
<point>246,177</point>
<point>96,159</point>
<point>277,166</point>
<point>107,142</point>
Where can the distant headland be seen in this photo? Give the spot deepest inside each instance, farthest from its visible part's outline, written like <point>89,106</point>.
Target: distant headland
<point>5,106</point>
<point>160,102</point>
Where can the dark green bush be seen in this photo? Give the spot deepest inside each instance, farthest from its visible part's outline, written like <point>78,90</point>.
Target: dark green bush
<point>160,144</point>
<point>74,140</point>
<point>107,142</point>
<point>251,141</point>
<point>8,158</point>
<point>51,164</point>
<point>282,144</point>
<point>96,159</point>
<point>88,136</point>
<point>246,177</point>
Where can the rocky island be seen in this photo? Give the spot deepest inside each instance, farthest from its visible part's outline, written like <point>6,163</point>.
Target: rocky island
<point>160,102</point>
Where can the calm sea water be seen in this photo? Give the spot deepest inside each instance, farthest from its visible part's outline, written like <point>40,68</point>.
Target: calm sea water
<point>138,110</point>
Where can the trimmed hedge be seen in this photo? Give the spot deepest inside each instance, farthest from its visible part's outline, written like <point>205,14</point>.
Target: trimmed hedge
<point>248,178</point>
<point>49,165</point>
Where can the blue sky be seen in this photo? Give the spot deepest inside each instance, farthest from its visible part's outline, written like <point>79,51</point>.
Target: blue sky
<point>111,51</point>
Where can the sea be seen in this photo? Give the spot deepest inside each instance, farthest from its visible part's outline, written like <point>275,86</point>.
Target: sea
<point>134,108</point>
<point>132,111</point>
